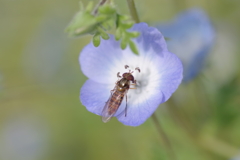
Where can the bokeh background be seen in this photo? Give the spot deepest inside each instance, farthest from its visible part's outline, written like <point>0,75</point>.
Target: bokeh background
<point>41,117</point>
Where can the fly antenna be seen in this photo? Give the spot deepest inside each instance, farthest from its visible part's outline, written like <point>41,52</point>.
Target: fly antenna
<point>126,66</point>
<point>118,75</point>
<point>138,69</point>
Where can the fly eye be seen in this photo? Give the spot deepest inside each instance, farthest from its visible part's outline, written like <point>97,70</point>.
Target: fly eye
<point>130,78</point>
<point>133,81</point>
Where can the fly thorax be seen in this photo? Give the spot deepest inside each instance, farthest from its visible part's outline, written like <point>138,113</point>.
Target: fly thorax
<point>121,89</point>
<point>123,82</point>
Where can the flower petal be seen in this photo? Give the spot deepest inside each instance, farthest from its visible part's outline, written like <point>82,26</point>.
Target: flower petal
<point>140,111</point>
<point>191,37</point>
<point>94,95</point>
<point>171,71</point>
<point>99,63</point>
<point>96,62</point>
<point>149,38</point>
<point>163,79</point>
<point>161,73</point>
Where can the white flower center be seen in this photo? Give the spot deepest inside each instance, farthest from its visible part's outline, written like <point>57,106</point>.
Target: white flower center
<point>147,80</point>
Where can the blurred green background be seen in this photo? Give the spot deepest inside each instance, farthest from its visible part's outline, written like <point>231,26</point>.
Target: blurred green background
<point>41,117</point>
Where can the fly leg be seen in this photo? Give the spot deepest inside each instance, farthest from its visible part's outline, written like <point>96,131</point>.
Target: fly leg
<point>118,75</point>
<point>111,91</point>
<point>135,83</point>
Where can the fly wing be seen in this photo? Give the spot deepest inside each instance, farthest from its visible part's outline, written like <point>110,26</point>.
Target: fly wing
<point>112,106</point>
<point>105,114</point>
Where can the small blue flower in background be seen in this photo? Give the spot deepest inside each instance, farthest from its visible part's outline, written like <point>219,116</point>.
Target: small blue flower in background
<point>23,137</point>
<point>160,76</point>
<point>236,158</point>
<point>191,37</point>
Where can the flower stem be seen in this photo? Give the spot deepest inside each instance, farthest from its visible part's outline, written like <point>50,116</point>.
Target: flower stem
<point>180,118</point>
<point>206,142</point>
<point>218,147</point>
<point>101,2</point>
<point>163,137</point>
<point>133,11</point>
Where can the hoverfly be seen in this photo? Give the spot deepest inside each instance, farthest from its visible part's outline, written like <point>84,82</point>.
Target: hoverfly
<point>117,94</point>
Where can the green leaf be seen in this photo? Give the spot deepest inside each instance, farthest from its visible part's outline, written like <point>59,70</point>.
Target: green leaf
<point>96,40</point>
<point>127,25</point>
<point>118,34</point>
<point>133,47</point>
<point>134,34</point>
<point>107,9</point>
<point>124,18</point>
<point>101,18</point>
<point>124,44</point>
<point>89,7</point>
<point>104,35</point>
<point>82,23</point>
<point>108,24</point>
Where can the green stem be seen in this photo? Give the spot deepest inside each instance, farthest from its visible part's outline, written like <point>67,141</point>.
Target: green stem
<point>206,142</point>
<point>164,137</point>
<point>133,11</point>
<point>180,118</point>
<point>218,147</point>
<point>101,2</point>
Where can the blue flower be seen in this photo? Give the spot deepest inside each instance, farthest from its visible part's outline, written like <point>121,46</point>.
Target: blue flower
<point>160,76</point>
<point>191,37</point>
<point>236,158</point>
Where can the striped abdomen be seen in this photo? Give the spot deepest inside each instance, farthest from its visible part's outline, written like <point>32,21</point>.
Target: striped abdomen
<point>115,101</point>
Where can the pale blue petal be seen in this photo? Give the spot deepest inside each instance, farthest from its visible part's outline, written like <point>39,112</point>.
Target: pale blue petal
<point>97,63</point>
<point>170,70</point>
<point>140,112</point>
<point>235,158</point>
<point>161,74</point>
<point>93,96</point>
<point>149,38</point>
<point>45,50</point>
<point>191,36</point>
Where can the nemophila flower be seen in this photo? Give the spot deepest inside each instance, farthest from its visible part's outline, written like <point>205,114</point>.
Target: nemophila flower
<point>191,37</point>
<point>45,49</point>
<point>160,76</point>
<point>23,137</point>
<point>236,158</point>
<point>225,53</point>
